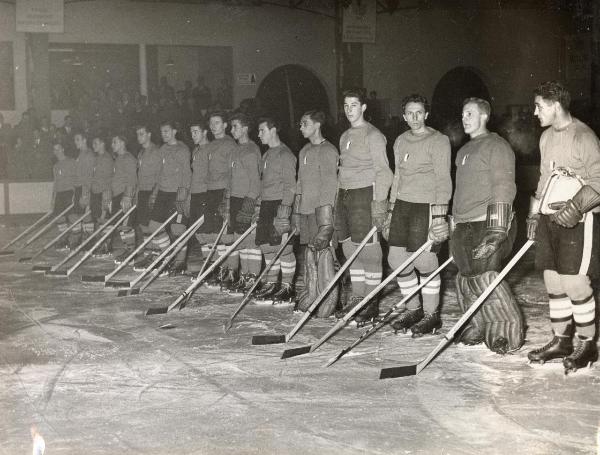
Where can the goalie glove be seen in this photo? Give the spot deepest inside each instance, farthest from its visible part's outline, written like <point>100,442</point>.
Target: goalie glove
<point>324,216</point>
<point>497,224</point>
<point>571,212</point>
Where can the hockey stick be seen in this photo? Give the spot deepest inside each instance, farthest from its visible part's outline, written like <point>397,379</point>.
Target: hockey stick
<point>156,272</point>
<point>24,233</point>
<point>415,368</point>
<point>248,295</point>
<point>94,234</point>
<point>192,287</point>
<point>56,239</point>
<point>106,278</point>
<point>342,322</point>
<point>277,339</point>
<point>48,226</point>
<point>89,253</point>
<point>213,248</point>
<point>391,314</point>
<point>132,290</point>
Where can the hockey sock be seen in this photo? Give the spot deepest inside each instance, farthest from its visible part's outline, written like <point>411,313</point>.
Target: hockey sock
<point>584,313</point>
<point>254,261</point>
<point>561,313</point>
<point>371,257</point>
<point>272,275</point>
<point>357,272</point>
<point>431,293</point>
<point>408,282</point>
<point>288,265</point>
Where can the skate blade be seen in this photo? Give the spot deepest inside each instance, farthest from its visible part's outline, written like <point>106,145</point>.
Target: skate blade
<point>41,268</point>
<point>262,302</point>
<point>295,352</point>
<point>92,278</point>
<point>267,339</point>
<point>398,372</point>
<point>117,284</point>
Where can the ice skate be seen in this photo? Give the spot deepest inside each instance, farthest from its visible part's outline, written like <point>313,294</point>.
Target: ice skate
<point>557,348</point>
<point>584,354</point>
<point>430,323</point>
<point>266,292</point>
<point>407,319</point>
<point>284,295</point>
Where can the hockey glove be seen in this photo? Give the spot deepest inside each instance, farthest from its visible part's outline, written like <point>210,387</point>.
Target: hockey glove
<point>152,199</point>
<point>245,214</point>
<point>497,224</point>
<point>295,218</point>
<point>84,200</point>
<point>385,231</point>
<point>282,220</point>
<point>378,213</point>
<point>439,230</point>
<point>106,201</point>
<point>569,213</point>
<point>180,200</point>
<point>224,206</point>
<point>533,218</point>
<point>324,216</point>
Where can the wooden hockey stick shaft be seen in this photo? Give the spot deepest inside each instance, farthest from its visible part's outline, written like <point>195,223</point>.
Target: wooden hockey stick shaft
<point>27,231</point>
<point>106,235</point>
<point>83,244</point>
<point>246,298</point>
<point>61,235</point>
<point>48,226</point>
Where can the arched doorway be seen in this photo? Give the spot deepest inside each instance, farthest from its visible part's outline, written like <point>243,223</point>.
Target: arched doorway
<point>286,93</point>
<point>446,104</point>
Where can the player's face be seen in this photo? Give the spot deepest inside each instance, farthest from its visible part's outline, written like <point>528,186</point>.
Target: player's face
<point>143,136</point>
<point>264,133</point>
<point>97,145</point>
<point>415,116</point>
<point>118,146</point>
<point>237,129</point>
<point>197,134</point>
<point>473,120</point>
<point>545,111</point>
<point>217,126</point>
<point>79,142</point>
<point>353,109</point>
<point>308,127</point>
<point>167,133</point>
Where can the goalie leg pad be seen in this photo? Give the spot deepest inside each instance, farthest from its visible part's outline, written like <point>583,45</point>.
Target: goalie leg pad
<point>309,293</point>
<point>473,331</point>
<point>326,270</point>
<point>504,326</point>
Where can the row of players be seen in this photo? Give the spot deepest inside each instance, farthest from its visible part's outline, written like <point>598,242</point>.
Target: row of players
<point>339,197</point>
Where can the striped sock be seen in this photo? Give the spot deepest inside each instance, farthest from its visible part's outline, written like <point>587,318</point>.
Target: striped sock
<point>431,293</point>
<point>288,267</point>
<point>561,313</point>
<point>254,261</point>
<point>584,313</point>
<point>408,282</point>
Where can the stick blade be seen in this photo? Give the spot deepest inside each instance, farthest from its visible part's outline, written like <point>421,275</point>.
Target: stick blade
<point>124,292</point>
<point>25,259</point>
<point>117,284</point>
<point>56,273</point>
<point>295,352</point>
<point>157,310</point>
<point>398,372</point>
<point>6,253</point>
<point>92,278</point>
<point>41,268</point>
<point>267,339</point>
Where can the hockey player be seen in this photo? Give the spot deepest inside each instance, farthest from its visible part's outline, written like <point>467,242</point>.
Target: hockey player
<point>313,211</point>
<point>173,191</point>
<point>278,188</point>
<point>123,189</point>
<point>245,189</point>
<point>418,207</point>
<point>364,183</point>
<point>484,233</point>
<point>101,195</point>
<point>567,240</point>
<point>199,186</point>
<point>85,161</point>
<point>218,182</point>
<point>65,177</point>
<point>149,165</point>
